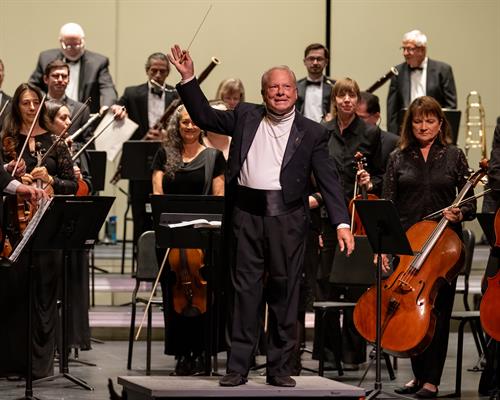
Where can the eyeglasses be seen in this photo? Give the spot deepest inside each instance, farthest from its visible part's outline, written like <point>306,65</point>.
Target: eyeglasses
<point>71,46</point>
<point>410,50</point>
<point>312,59</point>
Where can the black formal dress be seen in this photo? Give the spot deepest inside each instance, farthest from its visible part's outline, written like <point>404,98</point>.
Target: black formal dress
<point>418,188</point>
<point>14,284</point>
<point>185,335</point>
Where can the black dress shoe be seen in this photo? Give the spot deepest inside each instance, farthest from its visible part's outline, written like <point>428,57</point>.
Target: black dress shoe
<point>426,393</point>
<point>408,389</point>
<point>232,379</point>
<point>283,381</point>
<point>183,366</point>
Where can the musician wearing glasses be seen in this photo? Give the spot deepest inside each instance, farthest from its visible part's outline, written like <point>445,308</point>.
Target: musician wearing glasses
<point>418,76</point>
<point>89,71</point>
<point>314,91</point>
<point>145,105</point>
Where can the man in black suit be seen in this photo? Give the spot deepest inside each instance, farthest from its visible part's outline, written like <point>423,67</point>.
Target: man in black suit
<point>315,91</point>
<point>4,98</point>
<point>368,109</point>
<point>89,70</point>
<point>274,150</point>
<point>418,76</point>
<point>145,104</point>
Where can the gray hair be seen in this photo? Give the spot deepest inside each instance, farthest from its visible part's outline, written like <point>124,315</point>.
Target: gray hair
<point>265,75</point>
<point>71,28</point>
<point>417,37</point>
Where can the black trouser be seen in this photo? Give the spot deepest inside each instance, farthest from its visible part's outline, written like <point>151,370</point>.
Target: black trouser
<point>428,365</point>
<point>270,247</point>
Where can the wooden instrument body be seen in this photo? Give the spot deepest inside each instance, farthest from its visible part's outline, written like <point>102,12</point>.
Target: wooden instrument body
<point>190,291</point>
<point>357,226</point>
<point>408,295</point>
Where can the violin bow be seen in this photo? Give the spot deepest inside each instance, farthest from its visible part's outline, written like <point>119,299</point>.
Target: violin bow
<point>63,132</point>
<point>30,132</point>
<point>153,290</point>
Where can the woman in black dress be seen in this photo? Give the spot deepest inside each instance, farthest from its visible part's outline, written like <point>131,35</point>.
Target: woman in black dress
<point>56,177</point>
<point>424,174</point>
<point>184,165</point>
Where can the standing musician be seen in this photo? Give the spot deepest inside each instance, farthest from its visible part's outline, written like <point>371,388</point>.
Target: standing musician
<point>489,385</point>
<point>273,152</point>
<point>231,91</point>
<point>145,104</point>
<point>348,134</point>
<point>424,174</point>
<point>55,176</point>
<point>418,76</point>
<point>184,165</point>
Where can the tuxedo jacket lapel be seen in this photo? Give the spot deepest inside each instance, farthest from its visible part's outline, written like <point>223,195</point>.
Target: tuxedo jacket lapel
<point>406,84</point>
<point>293,143</point>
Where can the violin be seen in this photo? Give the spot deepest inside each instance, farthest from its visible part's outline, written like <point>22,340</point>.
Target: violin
<point>190,290</point>
<point>357,227</point>
<point>408,295</point>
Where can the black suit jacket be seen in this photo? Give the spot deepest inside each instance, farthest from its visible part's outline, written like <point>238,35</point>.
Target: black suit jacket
<point>135,100</point>
<point>306,150</point>
<point>327,94</point>
<point>95,80</point>
<point>5,97</point>
<point>440,85</point>
<point>74,107</point>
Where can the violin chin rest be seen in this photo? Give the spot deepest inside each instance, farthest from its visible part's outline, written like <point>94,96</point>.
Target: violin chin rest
<point>5,262</point>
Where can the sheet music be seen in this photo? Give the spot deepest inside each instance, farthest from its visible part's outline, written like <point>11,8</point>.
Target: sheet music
<point>30,228</point>
<point>116,134</point>
<point>197,223</point>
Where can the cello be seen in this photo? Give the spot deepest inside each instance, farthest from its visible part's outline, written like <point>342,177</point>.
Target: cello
<point>490,303</point>
<point>408,295</point>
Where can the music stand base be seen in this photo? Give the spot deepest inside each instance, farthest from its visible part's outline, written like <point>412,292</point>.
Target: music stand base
<point>379,393</point>
<point>68,376</point>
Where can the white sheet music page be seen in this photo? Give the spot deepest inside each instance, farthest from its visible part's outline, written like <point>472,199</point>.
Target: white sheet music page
<point>116,134</point>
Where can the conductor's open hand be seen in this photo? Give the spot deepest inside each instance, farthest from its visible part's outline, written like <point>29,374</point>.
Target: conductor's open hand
<point>346,240</point>
<point>182,61</point>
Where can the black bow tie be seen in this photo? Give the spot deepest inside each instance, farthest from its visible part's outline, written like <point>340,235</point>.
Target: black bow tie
<point>415,68</point>
<point>314,83</point>
<point>156,91</point>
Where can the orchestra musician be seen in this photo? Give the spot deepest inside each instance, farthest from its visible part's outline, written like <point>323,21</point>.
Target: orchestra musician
<point>489,384</point>
<point>4,97</point>
<point>56,176</point>
<point>418,76</point>
<point>348,134</point>
<point>315,90</point>
<point>145,104</point>
<point>266,192</point>
<point>424,174</point>
<point>184,165</point>
<point>231,91</point>
<point>90,75</point>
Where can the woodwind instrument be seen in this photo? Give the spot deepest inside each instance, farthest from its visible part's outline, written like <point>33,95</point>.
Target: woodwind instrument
<point>163,120</point>
<point>383,79</point>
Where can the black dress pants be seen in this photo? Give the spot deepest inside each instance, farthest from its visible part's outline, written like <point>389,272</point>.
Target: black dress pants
<point>271,249</point>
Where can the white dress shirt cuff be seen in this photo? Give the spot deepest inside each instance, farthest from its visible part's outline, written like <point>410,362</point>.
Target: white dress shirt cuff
<point>342,226</point>
<point>11,188</point>
<point>187,80</point>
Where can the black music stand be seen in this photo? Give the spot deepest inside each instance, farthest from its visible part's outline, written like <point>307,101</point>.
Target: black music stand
<point>386,236</point>
<point>69,223</point>
<point>177,208</point>
<point>135,163</point>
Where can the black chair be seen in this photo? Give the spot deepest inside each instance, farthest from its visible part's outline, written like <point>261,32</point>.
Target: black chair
<point>147,271</point>
<point>467,316</point>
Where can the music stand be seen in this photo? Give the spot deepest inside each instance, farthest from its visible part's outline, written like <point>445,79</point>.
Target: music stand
<point>135,165</point>
<point>69,223</point>
<point>386,236</point>
<point>176,208</point>
<point>97,167</point>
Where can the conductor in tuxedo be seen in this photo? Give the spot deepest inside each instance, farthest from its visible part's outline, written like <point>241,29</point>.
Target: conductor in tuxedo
<point>89,71</point>
<point>145,104</point>
<point>315,90</point>
<point>274,150</point>
<point>418,76</point>
<point>4,97</point>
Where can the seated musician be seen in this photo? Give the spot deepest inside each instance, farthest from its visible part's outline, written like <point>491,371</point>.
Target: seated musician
<point>423,175</point>
<point>55,175</point>
<point>184,165</point>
